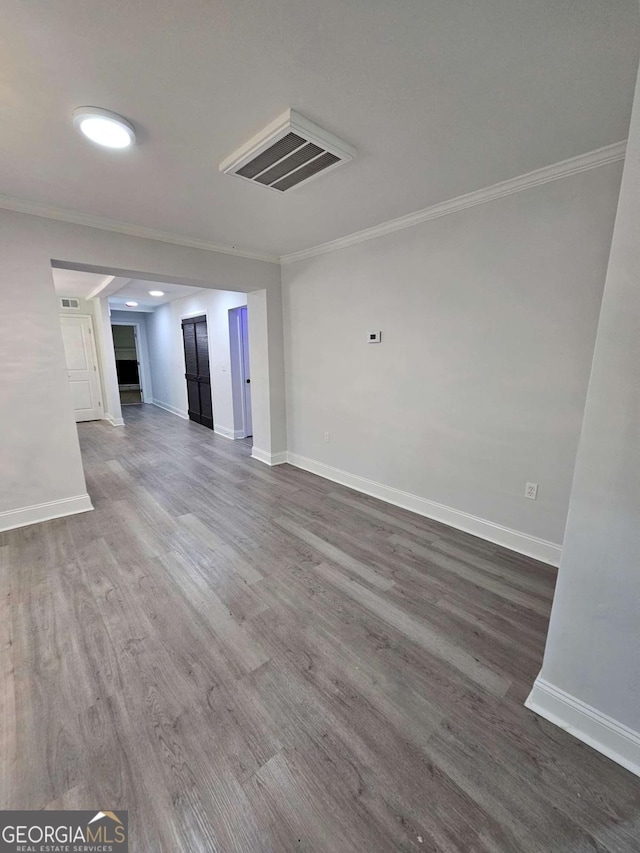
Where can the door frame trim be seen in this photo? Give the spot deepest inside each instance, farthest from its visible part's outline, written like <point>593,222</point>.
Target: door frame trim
<point>238,374</point>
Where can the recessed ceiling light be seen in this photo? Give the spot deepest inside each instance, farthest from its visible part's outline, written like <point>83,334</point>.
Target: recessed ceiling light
<point>104,127</point>
<point>156,293</point>
<point>131,304</point>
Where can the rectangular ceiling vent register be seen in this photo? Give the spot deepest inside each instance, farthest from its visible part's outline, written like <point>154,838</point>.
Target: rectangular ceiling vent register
<point>289,152</point>
<point>67,302</point>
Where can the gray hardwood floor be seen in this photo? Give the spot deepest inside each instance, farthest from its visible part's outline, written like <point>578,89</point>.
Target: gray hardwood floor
<point>255,659</point>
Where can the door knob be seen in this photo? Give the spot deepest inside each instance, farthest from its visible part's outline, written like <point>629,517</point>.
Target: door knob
<point>248,382</point>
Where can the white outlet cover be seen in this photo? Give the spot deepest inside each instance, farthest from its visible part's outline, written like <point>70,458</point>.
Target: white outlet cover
<point>374,337</point>
<point>531,491</point>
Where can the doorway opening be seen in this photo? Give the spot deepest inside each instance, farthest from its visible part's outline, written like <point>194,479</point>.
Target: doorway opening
<point>178,347</point>
<point>125,345</point>
<point>241,372</point>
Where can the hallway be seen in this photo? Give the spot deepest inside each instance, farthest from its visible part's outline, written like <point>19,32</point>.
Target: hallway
<point>257,659</point>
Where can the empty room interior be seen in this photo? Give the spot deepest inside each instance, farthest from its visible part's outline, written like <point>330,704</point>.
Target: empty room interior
<point>320,419</point>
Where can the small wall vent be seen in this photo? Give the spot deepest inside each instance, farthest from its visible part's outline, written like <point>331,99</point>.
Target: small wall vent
<point>289,152</point>
<point>67,302</point>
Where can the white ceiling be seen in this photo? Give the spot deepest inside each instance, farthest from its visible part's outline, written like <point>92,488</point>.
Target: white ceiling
<point>440,97</point>
<point>118,290</point>
<point>74,283</point>
<point>135,290</point>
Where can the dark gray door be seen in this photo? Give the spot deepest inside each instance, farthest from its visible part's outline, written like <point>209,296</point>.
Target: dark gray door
<point>198,376</point>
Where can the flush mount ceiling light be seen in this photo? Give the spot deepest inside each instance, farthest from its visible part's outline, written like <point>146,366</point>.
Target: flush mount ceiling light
<point>131,304</point>
<point>156,293</point>
<point>104,127</point>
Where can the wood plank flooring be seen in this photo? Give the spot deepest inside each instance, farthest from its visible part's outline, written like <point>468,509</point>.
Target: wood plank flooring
<point>254,659</point>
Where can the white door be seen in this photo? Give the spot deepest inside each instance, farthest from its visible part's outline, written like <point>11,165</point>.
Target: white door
<point>246,370</point>
<point>82,367</point>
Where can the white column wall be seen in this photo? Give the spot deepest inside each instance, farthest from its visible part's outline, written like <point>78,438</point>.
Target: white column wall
<point>590,679</point>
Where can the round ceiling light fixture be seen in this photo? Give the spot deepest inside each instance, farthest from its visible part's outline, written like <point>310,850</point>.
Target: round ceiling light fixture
<point>104,127</point>
<point>131,304</point>
<point>156,293</point>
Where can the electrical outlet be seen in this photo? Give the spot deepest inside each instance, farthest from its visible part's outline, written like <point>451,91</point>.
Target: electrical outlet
<point>531,491</point>
<point>327,438</point>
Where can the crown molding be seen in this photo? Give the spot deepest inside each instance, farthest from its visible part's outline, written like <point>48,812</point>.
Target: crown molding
<point>581,163</point>
<point>76,218</point>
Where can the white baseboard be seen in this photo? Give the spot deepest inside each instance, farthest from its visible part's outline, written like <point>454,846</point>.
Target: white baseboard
<point>114,421</point>
<point>613,739</point>
<point>44,512</point>
<point>523,543</point>
<point>269,458</point>
<point>174,411</point>
<point>228,433</point>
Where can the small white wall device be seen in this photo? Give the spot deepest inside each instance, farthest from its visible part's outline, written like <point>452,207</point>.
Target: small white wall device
<point>374,337</point>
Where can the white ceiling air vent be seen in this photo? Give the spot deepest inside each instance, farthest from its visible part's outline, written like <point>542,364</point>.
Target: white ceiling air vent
<point>288,153</point>
<point>67,302</point>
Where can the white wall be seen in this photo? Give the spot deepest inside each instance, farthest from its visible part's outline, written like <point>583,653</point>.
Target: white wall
<point>488,320</point>
<point>267,376</point>
<point>39,456</point>
<point>166,353</point>
<point>40,460</point>
<point>593,648</point>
